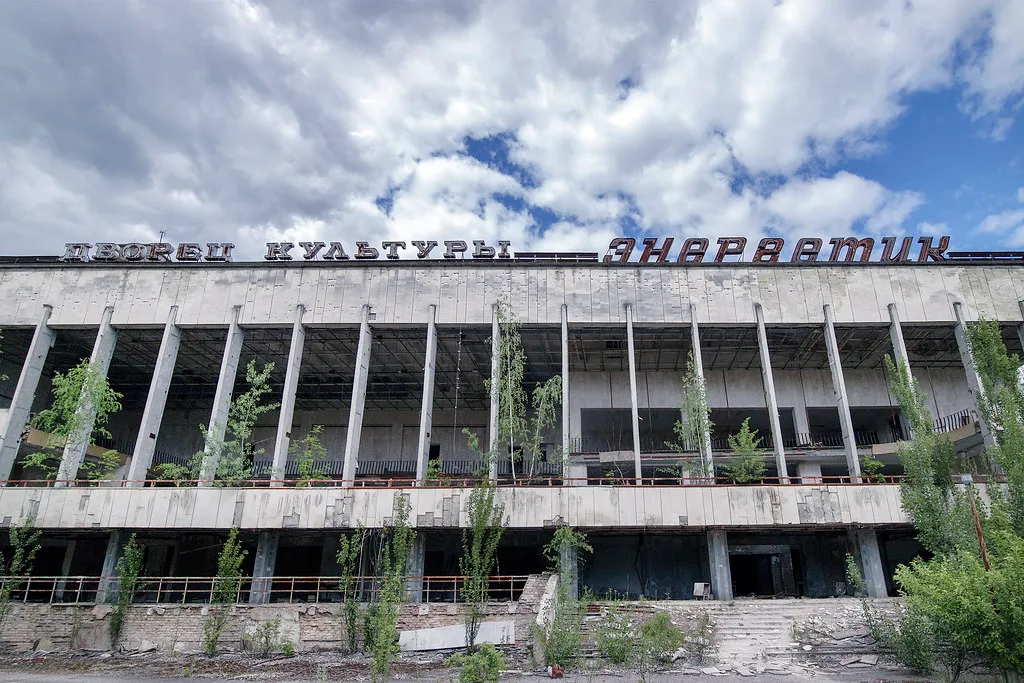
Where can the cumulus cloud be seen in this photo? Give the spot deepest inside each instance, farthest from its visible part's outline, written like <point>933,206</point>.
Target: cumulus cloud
<point>552,124</point>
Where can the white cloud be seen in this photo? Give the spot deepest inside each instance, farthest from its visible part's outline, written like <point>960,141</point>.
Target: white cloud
<point>284,120</point>
<point>1020,194</point>
<point>1002,222</point>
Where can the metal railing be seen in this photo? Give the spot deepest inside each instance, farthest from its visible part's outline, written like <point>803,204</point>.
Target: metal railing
<point>948,423</point>
<point>187,590</point>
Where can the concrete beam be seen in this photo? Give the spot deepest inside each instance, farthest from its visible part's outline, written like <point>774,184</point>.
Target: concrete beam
<point>901,358</point>
<point>633,401</point>
<point>263,568</point>
<point>153,413</point>
<point>871,562</point>
<point>768,382</point>
<point>65,570</point>
<point>835,364</point>
<point>427,406</point>
<point>109,586</point>
<point>718,561</point>
<point>808,472</point>
<point>291,385</point>
<point>217,429</point>
<point>494,415</point>
<point>358,403</point>
<point>971,371</point>
<point>25,392</point>
<point>414,568</point>
<point>1020,328</point>
<point>704,447</point>
<point>102,353</point>
<point>566,432</point>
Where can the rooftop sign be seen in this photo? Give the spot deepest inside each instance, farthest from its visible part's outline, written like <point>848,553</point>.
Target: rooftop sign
<point>620,250</point>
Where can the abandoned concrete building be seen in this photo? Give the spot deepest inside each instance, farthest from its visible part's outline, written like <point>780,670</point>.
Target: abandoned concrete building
<point>391,359</point>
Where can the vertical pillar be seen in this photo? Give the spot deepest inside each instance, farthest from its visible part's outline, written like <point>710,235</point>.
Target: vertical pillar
<point>871,562</point>
<point>263,568</point>
<point>65,570</point>
<point>218,424</point>
<point>153,413</point>
<point>107,589</point>
<point>802,425</point>
<point>899,352</point>
<point>414,568</point>
<point>704,447</point>
<point>768,381</point>
<point>633,402</point>
<point>809,472</point>
<point>102,353</point>
<point>291,385</point>
<point>495,379</point>
<point>718,560</point>
<point>971,370</point>
<point>568,560</point>
<point>835,364</point>
<point>566,432</point>
<point>427,407</point>
<point>358,403</point>
<point>24,393</point>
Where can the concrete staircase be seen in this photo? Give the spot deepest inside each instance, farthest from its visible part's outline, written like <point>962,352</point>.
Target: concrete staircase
<point>755,630</point>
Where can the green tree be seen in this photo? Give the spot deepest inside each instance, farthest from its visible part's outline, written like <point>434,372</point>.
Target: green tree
<point>694,429</point>
<point>78,395</point>
<point>396,542</point>
<point>24,539</point>
<point>350,547</point>
<point>310,454</point>
<point>747,463</point>
<point>564,638</point>
<point>225,591</point>
<point>129,568</point>
<point>480,543</point>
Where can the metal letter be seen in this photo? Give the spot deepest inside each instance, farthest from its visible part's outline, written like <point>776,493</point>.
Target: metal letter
<point>481,251</point>
<point>633,396</point>
<point>650,250</point>
<point>311,249</point>
<point>619,249</point>
<point>889,242</point>
<point>423,247</point>
<point>354,431</point>
<point>503,249</point>
<point>730,246</point>
<point>928,252</point>
<point>365,251</point>
<point>427,406</point>
<point>160,251</point>
<point>76,251</point>
<point>107,251</point>
<point>835,363</point>
<point>454,247</point>
<point>189,251</point>
<point>768,382</point>
<point>335,253</point>
<point>806,250</point>
<point>851,244</point>
<point>134,251</point>
<point>291,385</point>
<point>693,250</point>
<point>768,250</point>
<point>276,251</point>
<point>392,248</point>
<point>219,251</point>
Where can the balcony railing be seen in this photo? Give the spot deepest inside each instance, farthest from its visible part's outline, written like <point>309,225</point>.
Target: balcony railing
<point>820,439</point>
<point>164,590</point>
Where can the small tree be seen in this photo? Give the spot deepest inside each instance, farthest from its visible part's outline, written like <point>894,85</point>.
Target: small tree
<point>565,636</point>
<point>350,547</point>
<point>479,553</point>
<point>225,591</point>
<point>309,454</point>
<point>396,542</point>
<point>129,568</point>
<point>694,429</point>
<point>24,540</point>
<point>81,408</point>
<point>747,464</point>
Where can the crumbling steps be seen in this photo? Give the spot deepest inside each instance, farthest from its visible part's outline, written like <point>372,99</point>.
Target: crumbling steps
<point>749,631</point>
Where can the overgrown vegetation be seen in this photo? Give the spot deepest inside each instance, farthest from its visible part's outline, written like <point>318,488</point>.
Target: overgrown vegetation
<point>24,539</point>
<point>129,569</point>
<point>80,411</point>
<point>434,475</point>
<point>483,665</point>
<point>265,639</point>
<point>395,543</point>
<point>309,455</point>
<point>225,591</point>
<point>480,542</point>
<point>642,645</point>
<point>564,637</point>
<point>350,547</point>
<point>693,431</point>
<point>747,464</point>
<point>871,468</point>
<point>234,454</point>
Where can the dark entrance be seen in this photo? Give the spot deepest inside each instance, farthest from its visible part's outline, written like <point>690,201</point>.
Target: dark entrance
<point>752,575</point>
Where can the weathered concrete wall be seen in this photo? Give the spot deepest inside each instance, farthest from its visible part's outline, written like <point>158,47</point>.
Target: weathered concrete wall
<point>534,507</point>
<point>401,292</point>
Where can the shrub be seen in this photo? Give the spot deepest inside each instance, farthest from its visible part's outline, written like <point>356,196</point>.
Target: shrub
<point>484,665</point>
<point>263,639</point>
<point>615,636</point>
<point>657,639</point>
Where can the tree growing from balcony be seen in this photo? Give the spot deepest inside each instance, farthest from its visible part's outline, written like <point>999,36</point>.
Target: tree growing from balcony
<point>696,425</point>
<point>747,463</point>
<point>309,454</point>
<point>234,454</point>
<point>82,405</point>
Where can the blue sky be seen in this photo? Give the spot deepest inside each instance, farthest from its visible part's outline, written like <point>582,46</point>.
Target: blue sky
<point>554,124</point>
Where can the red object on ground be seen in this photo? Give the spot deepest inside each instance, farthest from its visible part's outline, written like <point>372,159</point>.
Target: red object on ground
<point>556,670</point>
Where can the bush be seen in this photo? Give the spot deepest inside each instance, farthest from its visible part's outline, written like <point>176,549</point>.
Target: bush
<point>910,640</point>
<point>615,636</point>
<point>483,666</point>
<point>566,636</point>
<point>263,639</point>
<point>659,638</point>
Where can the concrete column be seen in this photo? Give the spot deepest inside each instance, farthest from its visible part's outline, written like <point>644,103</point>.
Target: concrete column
<point>217,429</point>
<point>718,560</point>
<point>291,385</point>
<point>809,472</point>
<point>633,402</point>
<point>153,413</point>
<point>566,431</point>
<point>1020,328</point>
<point>871,562</point>
<point>971,370</point>
<point>568,558</point>
<point>899,352</point>
<point>263,568</point>
<point>427,407</point>
<point>355,412</point>
<point>65,570</point>
<point>801,424</point>
<point>25,392</point>
<point>108,586</point>
<point>704,447</point>
<point>102,353</point>
<point>495,379</point>
<point>414,568</point>
<point>768,381</point>
<point>835,364</point>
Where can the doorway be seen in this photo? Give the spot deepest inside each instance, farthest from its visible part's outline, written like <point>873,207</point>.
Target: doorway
<point>752,575</point>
